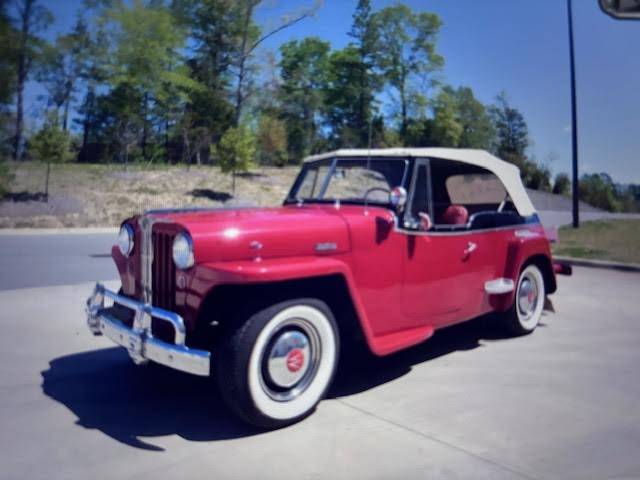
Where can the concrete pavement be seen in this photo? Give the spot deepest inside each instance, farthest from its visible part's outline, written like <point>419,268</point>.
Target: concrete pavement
<point>561,403</point>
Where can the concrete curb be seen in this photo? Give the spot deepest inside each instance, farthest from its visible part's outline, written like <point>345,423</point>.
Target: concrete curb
<point>59,231</point>
<point>587,262</point>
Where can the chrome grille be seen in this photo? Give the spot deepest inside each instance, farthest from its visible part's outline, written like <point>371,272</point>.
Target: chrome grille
<point>157,269</point>
<point>163,271</point>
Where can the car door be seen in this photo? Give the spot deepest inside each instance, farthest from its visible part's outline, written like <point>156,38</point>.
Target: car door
<point>441,270</point>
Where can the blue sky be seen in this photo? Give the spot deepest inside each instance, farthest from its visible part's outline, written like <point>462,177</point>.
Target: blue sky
<point>519,46</point>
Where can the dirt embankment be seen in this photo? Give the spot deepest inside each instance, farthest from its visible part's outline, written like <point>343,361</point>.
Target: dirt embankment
<point>103,195</point>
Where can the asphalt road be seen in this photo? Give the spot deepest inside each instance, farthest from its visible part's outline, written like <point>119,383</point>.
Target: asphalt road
<point>469,403</point>
<point>56,259</point>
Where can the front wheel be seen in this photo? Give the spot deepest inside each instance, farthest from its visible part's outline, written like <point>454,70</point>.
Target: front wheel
<point>276,366</point>
<point>524,315</point>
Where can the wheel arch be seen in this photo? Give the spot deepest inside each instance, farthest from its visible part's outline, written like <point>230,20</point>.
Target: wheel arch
<point>227,304</point>
<point>543,262</point>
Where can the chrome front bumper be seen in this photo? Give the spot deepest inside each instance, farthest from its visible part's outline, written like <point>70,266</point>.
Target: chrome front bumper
<point>138,340</point>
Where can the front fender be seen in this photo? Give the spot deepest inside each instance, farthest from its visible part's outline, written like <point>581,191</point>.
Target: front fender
<point>206,277</point>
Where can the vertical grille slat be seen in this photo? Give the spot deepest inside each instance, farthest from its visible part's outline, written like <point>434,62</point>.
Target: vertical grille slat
<point>163,271</point>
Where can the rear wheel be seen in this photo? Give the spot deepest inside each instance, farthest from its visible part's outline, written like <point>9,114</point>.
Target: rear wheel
<point>275,367</point>
<point>524,315</point>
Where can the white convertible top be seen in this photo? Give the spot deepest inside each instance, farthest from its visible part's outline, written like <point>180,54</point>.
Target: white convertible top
<point>508,173</point>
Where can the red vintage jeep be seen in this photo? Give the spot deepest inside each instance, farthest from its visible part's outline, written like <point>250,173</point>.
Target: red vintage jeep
<point>389,244</point>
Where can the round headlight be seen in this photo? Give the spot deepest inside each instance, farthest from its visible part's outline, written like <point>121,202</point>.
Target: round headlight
<point>183,251</point>
<point>125,239</point>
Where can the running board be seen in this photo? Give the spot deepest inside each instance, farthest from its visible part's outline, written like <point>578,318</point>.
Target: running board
<point>499,286</point>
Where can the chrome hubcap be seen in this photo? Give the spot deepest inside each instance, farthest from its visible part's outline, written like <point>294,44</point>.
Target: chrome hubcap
<point>527,296</point>
<point>290,360</point>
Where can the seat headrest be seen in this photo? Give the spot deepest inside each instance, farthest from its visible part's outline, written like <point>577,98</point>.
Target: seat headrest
<point>455,215</point>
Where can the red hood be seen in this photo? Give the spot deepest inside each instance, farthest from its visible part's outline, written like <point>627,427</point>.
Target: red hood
<point>247,233</point>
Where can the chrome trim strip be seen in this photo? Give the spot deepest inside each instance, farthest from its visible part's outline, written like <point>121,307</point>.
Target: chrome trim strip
<point>139,340</point>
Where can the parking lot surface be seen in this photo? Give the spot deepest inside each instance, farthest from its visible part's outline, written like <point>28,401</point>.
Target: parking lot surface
<point>562,403</point>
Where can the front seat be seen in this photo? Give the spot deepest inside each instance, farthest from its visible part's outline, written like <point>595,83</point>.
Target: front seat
<point>455,215</point>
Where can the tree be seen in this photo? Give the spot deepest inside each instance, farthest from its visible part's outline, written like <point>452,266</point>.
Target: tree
<point>50,144</point>
<point>598,189</point>
<point>213,28</point>
<point>63,65</point>
<point>512,134</point>
<point>250,39</point>
<point>272,141</point>
<point>562,184</point>
<point>32,19</point>
<point>536,176</point>
<point>303,69</point>
<point>236,151</point>
<point>365,39</point>
<point>406,56</point>
<point>477,129</point>
<point>145,63</point>
<point>8,62</point>
<point>447,128</point>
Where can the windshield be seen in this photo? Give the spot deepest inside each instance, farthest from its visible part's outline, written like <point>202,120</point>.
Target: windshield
<point>349,179</point>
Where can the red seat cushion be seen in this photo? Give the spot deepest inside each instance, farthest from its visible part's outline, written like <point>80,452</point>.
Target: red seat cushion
<point>455,215</point>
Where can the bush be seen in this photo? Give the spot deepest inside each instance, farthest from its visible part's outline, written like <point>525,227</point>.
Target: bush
<point>562,184</point>
<point>50,145</point>
<point>598,189</point>
<point>272,141</point>
<point>5,178</point>
<point>236,150</point>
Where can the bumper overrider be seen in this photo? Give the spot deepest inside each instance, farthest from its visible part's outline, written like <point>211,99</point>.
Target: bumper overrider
<point>138,340</point>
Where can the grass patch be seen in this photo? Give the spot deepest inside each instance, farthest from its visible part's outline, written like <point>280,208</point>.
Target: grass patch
<point>617,240</point>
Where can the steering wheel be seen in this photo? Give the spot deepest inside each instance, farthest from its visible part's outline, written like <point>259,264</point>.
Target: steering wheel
<point>374,189</point>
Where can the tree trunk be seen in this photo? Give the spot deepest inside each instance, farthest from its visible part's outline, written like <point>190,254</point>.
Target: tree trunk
<point>46,183</point>
<point>86,122</point>
<point>65,114</point>
<point>145,103</point>
<point>241,64</point>
<point>166,140</point>
<point>233,182</point>
<point>22,78</point>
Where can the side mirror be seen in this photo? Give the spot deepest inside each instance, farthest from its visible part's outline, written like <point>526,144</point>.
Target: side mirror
<point>425,221</point>
<point>398,198</point>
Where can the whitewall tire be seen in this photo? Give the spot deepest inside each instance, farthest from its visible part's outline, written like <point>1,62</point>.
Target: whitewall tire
<point>277,365</point>
<point>524,315</point>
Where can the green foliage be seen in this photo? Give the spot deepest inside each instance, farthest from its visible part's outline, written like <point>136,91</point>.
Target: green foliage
<point>303,68</point>
<point>50,144</point>
<point>343,87</point>
<point>236,149</point>
<point>368,81</point>
<point>512,134</point>
<point>562,184</point>
<point>598,189</point>
<point>272,141</point>
<point>145,69</point>
<point>447,129</point>
<point>406,56</point>
<point>536,176</point>
<point>8,57</point>
<point>62,65</point>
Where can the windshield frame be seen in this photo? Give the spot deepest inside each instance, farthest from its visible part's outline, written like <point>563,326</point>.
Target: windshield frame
<point>405,160</point>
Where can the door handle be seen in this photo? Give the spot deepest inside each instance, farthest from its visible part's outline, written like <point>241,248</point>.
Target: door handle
<point>471,247</point>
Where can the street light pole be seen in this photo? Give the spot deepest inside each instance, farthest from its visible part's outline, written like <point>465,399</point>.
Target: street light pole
<point>574,124</point>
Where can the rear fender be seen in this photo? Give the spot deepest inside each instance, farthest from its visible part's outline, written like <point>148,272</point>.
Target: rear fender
<point>522,251</point>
